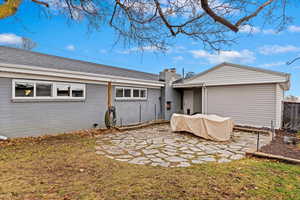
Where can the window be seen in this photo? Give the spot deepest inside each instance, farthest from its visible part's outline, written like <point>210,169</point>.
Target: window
<point>127,93</point>
<point>63,90</point>
<point>23,89</point>
<point>136,93</point>
<point>77,90</point>
<point>27,89</point>
<point>143,93</point>
<point>43,89</point>
<point>119,92</point>
<point>130,93</point>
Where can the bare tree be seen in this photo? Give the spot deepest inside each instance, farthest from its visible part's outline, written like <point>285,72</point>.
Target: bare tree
<point>156,22</point>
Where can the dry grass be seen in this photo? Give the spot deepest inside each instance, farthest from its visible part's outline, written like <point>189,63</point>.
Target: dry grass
<point>66,167</point>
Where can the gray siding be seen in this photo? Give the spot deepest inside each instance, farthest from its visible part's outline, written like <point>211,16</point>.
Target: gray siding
<point>229,75</point>
<point>38,118</point>
<point>253,105</point>
<point>128,111</point>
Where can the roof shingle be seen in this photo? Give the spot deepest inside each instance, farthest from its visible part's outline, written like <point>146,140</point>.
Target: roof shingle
<point>23,57</point>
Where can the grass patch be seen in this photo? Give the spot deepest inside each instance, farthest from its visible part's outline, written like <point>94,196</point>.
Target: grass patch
<point>66,167</point>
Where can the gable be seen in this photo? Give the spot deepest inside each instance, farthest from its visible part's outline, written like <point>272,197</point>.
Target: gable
<point>226,74</point>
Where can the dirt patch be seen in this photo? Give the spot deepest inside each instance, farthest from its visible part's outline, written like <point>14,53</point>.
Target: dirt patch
<point>278,147</point>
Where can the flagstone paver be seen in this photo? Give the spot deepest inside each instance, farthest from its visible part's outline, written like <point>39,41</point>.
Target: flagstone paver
<point>159,146</point>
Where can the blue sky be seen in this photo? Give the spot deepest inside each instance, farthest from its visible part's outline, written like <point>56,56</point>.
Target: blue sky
<point>55,35</point>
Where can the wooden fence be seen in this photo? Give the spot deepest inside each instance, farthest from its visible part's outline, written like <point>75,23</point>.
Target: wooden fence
<point>291,116</point>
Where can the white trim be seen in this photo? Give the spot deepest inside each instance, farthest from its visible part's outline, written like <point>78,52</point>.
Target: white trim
<point>24,69</point>
<point>131,93</point>
<point>53,87</point>
<point>182,85</point>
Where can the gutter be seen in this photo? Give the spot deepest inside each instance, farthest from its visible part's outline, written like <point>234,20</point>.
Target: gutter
<point>24,69</point>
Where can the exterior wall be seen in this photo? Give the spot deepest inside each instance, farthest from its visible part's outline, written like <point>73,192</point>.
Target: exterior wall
<point>38,118</point>
<point>252,105</point>
<point>228,75</point>
<point>169,94</point>
<point>128,111</point>
<point>279,106</point>
<point>188,99</point>
<point>197,100</point>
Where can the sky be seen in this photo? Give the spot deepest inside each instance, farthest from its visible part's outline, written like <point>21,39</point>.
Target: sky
<point>55,35</point>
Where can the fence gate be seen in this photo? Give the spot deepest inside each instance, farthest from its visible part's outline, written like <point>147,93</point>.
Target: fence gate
<point>291,116</point>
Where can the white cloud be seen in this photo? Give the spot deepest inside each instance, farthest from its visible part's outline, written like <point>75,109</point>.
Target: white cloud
<point>249,29</point>
<point>135,49</point>
<point>294,29</point>
<point>273,64</point>
<point>277,49</point>
<point>177,58</point>
<point>270,32</point>
<point>255,30</point>
<point>243,56</point>
<point>70,47</point>
<point>10,38</point>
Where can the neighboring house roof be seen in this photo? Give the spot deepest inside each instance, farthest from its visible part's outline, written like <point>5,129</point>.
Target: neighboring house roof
<point>232,74</point>
<point>10,55</point>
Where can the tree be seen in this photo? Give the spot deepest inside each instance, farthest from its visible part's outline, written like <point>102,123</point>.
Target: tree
<point>156,22</point>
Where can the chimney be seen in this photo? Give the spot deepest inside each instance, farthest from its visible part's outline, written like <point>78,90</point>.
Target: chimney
<point>169,72</point>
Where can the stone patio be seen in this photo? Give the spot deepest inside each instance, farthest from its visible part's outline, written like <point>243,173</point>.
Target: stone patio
<point>159,146</point>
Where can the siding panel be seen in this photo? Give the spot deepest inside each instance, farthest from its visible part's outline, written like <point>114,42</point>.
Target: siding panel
<point>252,105</point>
<point>38,118</point>
<point>228,75</point>
<point>128,111</point>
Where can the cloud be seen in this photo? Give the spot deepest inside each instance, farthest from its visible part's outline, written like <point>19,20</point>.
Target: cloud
<point>294,29</point>
<point>277,49</point>
<point>142,49</point>
<point>270,32</point>
<point>243,56</point>
<point>255,30</point>
<point>273,64</point>
<point>177,58</point>
<point>70,47</point>
<point>249,29</point>
<point>10,38</point>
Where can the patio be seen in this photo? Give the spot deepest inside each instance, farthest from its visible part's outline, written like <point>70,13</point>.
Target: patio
<point>159,146</point>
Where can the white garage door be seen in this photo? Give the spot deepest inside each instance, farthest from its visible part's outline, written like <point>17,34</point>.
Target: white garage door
<point>252,105</point>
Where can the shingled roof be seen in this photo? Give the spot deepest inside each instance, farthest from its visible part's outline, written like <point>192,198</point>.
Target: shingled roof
<point>11,55</point>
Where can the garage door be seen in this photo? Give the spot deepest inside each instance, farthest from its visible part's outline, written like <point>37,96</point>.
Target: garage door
<point>252,105</point>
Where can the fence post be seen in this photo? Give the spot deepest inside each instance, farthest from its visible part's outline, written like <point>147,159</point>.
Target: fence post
<point>272,128</point>
<point>121,122</point>
<point>257,148</point>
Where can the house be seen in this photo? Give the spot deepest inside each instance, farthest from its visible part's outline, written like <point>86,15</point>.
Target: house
<point>41,94</point>
<point>250,96</point>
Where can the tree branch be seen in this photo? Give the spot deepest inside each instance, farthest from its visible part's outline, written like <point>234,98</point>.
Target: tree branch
<point>161,14</point>
<point>41,3</point>
<point>247,18</point>
<point>212,14</point>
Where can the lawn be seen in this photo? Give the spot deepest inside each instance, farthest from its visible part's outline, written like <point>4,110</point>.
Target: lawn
<point>66,167</point>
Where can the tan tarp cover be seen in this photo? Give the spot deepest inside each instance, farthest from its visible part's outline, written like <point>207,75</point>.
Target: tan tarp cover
<point>210,127</point>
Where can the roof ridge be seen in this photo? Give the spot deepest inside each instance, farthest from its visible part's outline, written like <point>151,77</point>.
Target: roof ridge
<point>77,60</point>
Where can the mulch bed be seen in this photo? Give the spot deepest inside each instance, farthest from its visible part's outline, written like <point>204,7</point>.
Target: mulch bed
<point>278,147</point>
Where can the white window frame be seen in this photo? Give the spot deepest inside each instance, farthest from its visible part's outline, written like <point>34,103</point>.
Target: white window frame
<point>131,93</point>
<point>54,91</point>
